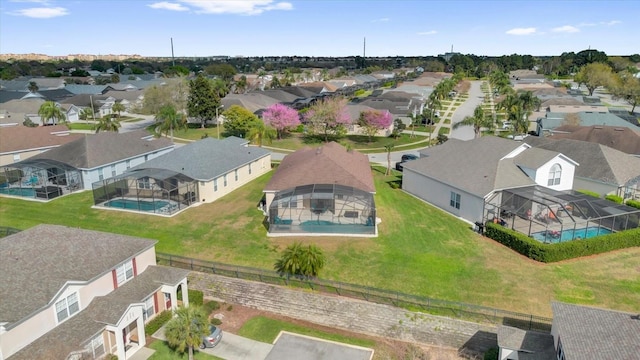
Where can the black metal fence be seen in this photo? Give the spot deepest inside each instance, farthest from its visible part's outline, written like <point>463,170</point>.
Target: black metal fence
<point>452,309</point>
<point>6,231</point>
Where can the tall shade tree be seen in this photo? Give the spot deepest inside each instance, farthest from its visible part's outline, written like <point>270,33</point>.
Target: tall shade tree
<point>260,133</point>
<point>626,86</point>
<point>594,75</point>
<point>175,91</point>
<point>479,120</point>
<point>168,119</point>
<point>300,260</point>
<point>50,111</point>
<point>328,118</point>
<point>389,148</point>
<point>107,123</point>
<point>373,121</point>
<point>118,108</point>
<point>203,100</point>
<point>238,121</point>
<point>186,329</point>
<point>281,117</point>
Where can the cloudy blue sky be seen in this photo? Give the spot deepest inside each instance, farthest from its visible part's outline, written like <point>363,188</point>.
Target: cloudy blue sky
<point>317,28</point>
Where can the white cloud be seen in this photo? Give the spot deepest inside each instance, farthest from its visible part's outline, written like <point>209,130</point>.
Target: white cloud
<point>430,32</point>
<point>42,12</point>
<point>566,29</point>
<point>612,22</point>
<point>168,6</point>
<point>522,31</point>
<point>380,20</point>
<point>241,7</point>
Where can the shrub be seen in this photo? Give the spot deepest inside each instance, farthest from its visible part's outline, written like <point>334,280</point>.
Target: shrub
<point>633,203</point>
<point>28,123</point>
<point>492,354</point>
<point>589,192</point>
<point>615,198</point>
<point>157,322</point>
<point>210,306</point>
<point>215,321</point>
<point>196,297</point>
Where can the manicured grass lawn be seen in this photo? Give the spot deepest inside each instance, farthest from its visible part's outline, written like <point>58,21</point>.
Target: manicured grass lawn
<point>420,250</point>
<point>358,142</point>
<point>266,330</point>
<point>198,133</point>
<point>444,131</point>
<point>164,352</point>
<point>80,126</point>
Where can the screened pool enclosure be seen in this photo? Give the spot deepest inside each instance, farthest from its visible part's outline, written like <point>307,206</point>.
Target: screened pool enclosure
<point>155,191</point>
<point>552,216</point>
<point>323,209</point>
<point>39,179</point>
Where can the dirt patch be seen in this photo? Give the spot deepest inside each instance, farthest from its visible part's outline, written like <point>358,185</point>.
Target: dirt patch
<point>234,316</point>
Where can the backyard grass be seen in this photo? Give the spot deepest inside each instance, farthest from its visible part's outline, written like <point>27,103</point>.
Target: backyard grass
<point>266,330</point>
<point>296,141</point>
<point>80,126</point>
<point>420,250</point>
<point>164,352</point>
<point>198,133</point>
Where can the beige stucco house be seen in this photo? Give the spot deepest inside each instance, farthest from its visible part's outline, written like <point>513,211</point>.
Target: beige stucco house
<point>64,301</point>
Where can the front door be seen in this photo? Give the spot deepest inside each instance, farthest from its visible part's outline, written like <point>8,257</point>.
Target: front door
<point>167,301</point>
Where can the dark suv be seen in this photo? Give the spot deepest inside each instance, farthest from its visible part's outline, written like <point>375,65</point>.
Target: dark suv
<point>405,158</point>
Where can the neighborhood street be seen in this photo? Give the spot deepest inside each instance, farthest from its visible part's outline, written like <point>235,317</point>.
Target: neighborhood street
<point>466,109</point>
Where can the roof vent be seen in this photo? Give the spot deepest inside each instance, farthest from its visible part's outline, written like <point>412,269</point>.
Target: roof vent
<point>618,129</point>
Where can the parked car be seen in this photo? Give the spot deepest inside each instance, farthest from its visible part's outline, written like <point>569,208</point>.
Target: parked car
<point>404,159</point>
<point>518,137</point>
<point>213,339</point>
<point>506,125</point>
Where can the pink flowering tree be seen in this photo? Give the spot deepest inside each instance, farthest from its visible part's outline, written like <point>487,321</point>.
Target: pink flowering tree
<point>328,118</point>
<point>373,121</point>
<point>281,117</point>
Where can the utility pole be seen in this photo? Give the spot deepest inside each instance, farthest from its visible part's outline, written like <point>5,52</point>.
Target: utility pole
<point>173,59</point>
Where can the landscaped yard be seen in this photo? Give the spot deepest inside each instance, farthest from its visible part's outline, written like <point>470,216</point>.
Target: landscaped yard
<point>421,250</point>
<point>164,352</point>
<point>198,133</point>
<point>81,126</point>
<point>358,142</point>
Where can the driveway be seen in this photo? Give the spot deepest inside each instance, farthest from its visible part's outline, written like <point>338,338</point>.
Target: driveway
<point>466,109</point>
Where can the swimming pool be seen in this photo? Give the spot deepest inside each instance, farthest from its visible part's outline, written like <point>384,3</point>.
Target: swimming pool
<point>141,205</point>
<point>328,227</point>
<point>26,192</point>
<point>570,234</point>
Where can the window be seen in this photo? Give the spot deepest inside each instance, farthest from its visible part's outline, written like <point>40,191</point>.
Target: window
<point>67,307</point>
<point>124,272</point>
<point>554,175</point>
<point>144,183</point>
<point>291,203</point>
<point>249,168</point>
<point>100,174</point>
<point>455,200</point>
<point>236,175</point>
<point>215,184</point>
<point>16,158</point>
<point>225,179</point>
<point>560,351</point>
<point>128,164</point>
<point>96,346</point>
<point>149,308</point>
<point>113,170</point>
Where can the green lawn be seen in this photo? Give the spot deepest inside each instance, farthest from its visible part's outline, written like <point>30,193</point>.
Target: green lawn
<point>80,126</point>
<point>198,133</point>
<point>164,352</point>
<point>358,142</point>
<point>444,130</point>
<point>420,250</point>
<point>266,330</point>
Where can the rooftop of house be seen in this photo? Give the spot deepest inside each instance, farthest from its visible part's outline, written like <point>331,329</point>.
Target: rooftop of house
<point>619,138</point>
<point>30,281</point>
<point>591,333</point>
<point>531,345</point>
<point>93,150</point>
<point>552,120</point>
<point>207,159</point>
<point>22,138</point>
<point>330,163</point>
<point>23,106</point>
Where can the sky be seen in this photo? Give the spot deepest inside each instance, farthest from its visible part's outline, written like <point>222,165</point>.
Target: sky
<point>318,27</point>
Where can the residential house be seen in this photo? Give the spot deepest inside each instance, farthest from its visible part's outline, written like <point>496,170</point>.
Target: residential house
<point>546,125</point>
<point>71,112</point>
<point>355,110</point>
<point>199,172</point>
<point>324,191</point>
<point>602,169</point>
<point>570,109</point>
<point>620,138</point>
<point>581,332</point>
<point>458,176</point>
<point>77,164</point>
<point>64,302</point>
<point>20,142</point>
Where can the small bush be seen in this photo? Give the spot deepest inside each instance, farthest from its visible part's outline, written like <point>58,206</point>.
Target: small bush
<point>210,306</point>
<point>492,354</point>
<point>633,203</point>
<point>28,123</point>
<point>196,297</point>
<point>215,321</point>
<point>589,192</point>
<point>157,322</point>
<point>615,198</point>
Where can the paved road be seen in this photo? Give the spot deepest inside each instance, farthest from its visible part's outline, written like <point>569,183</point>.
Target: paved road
<point>142,124</point>
<point>466,109</point>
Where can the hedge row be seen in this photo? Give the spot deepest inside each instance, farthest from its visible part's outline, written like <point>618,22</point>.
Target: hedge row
<point>156,323</point>
<point>547,253</point>
<point>633,203</point>
<point>196,297</point>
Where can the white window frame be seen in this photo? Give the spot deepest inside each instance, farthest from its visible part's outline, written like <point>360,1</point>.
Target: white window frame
<point>555,175</point>
<point>149,308</point>
<point>100,174</point>
<point>215,184</point>
<point>454,200</point>
<point>124,272</point>
<point>144,183</point>
<point>113,170</point>
<point>67,307</point>
<point>236,174</point>
<point>128,163</point>
<point>224,177</point>
<point>249,168</point>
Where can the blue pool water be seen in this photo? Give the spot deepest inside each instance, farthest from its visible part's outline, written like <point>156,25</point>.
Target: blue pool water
<point>570,234</point>
<point>137,205</point>
<point>27,192</point>
<point>323,226</point>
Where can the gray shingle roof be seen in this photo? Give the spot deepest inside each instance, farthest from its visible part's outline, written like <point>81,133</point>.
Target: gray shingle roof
<point>207,159</point>
<point>75,332</point>
<point>534,158</point>
<point>30,282</point>
<point>532,345</point>
<point>596,334</point>
<point>473,166</point>
<point>93,150</point>
<point>597,162</point>
<point>619,138</point>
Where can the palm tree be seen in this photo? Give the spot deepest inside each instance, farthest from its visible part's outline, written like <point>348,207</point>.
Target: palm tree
<point>33,87</point>
<point>86,114</point>
<point>50,111</point>
<point>389,149</point>
<point>186,329</point>
<point>299,260</point>
<point>108,123</point>
<point>169,119</point>
<point>260,133</point>
<point>479,120</point>
<point>118,108</point>
<point>511,104</point>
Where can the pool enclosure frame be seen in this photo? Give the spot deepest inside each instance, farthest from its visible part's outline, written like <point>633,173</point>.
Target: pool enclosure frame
<point>178,190</point>
<point>39,179</point>
<point>323,209</point>
<point>537,209</point>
